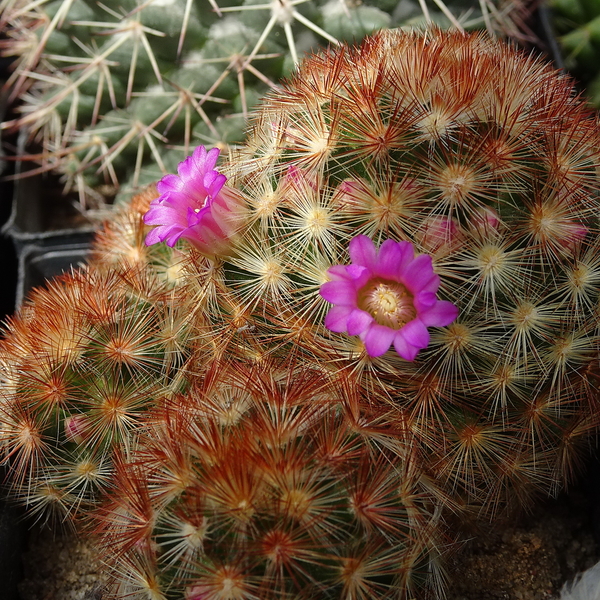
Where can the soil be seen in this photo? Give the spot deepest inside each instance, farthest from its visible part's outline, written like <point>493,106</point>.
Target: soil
<point>61,566</point>
<point>532,558</point>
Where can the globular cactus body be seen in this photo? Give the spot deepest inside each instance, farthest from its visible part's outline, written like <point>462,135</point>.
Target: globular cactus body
<point>255,484</point>
<point>84,362</point>
<point>486,161</point>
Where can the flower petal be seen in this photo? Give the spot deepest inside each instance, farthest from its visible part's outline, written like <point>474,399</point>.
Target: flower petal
<point>207,160</point>
<point>213,182</point>
<point>160,215</point>
<point>339,272</point>
<point>418,273</point>
<point>186,169</point>
<point>153,236</point>
<point>424,300</point>
<point>408,254</point>
<point>339,292</point>
<point>441,314</point>
<point>404,349</point>
<point>169,183</point>
<point>363,252</point>
<point>358,321</point>
<point>360,275</point>
<point>337,317</point>
<point>378,339</point>
<point>432,285</point>
<point>416,334</point>
<point>390,256</point>
<point>171,238</point>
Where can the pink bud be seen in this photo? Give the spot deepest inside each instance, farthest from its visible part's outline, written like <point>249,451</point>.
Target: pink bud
<point>486,219</point>
<point>300,178</point>
<point>574,233</point>
<point>76,427</point>
<point>350,189</point>
<point>198,592</point>
<point>440,233</point>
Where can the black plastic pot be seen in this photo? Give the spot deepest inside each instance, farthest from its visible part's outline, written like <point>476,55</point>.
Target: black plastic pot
<point>38,264</point>
<point>39,226</point>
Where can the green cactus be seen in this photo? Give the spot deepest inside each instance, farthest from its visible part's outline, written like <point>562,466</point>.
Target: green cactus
<point>107,90</point>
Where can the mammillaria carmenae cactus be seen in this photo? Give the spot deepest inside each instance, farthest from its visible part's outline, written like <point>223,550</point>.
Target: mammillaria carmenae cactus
<point>381,191</point>
<point>255,483</point>
<point>83,363</point>
<point>482,159</point>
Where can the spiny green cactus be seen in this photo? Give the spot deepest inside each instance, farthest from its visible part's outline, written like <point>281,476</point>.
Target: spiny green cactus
<point>577,26</point>
<point>117,94</point>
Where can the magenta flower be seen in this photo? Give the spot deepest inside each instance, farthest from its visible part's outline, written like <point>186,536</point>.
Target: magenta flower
<point>195,206</point>
<point>386,297</point>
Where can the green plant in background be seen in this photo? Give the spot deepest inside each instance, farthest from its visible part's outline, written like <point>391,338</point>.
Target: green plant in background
<point>577,24</point>
<point>378,316</point>
<point>116,94</point>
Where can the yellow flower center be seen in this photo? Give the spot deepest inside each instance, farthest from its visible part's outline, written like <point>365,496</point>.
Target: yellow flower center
<point>388,302</point>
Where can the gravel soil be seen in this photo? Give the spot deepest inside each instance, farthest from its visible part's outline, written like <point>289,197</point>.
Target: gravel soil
<point>530,559</point>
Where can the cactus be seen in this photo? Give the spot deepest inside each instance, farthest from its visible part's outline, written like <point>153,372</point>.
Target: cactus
<point>83,363</point>
<point>482,159</point>
<point>386,316</point>
<point>197,467</point>
<point>115,96</point>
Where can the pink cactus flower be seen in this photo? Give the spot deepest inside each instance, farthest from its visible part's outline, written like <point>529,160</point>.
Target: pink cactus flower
<point>386,297</point>
<point>195,206</point>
